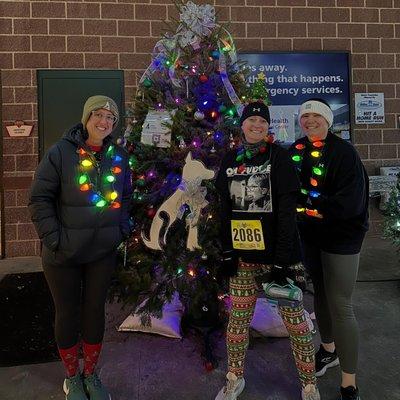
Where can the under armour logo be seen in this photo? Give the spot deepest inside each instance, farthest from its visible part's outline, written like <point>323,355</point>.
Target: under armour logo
<point>107,106</point>
<point>257,109</point>
<point>308,106</point>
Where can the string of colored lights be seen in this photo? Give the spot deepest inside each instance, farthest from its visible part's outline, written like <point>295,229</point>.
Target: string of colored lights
<point>317,174</point>
<point>86,163</point>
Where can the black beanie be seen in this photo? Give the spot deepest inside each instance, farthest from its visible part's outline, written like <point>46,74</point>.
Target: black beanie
<point>255,108</point>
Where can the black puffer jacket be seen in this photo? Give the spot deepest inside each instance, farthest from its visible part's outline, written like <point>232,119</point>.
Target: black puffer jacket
<point>65,219</point>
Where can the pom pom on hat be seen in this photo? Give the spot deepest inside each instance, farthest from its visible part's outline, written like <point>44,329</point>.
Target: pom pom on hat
<point>95,103</point>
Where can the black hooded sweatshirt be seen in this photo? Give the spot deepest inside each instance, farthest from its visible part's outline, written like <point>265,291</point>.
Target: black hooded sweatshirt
<point>343,201</point>
<point>266,191</point>
<point>66,220</point>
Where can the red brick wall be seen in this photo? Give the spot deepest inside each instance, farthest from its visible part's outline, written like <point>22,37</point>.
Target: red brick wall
<point>121,33</point>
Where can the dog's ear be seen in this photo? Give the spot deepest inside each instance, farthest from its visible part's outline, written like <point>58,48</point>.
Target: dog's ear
<point>189,157</point>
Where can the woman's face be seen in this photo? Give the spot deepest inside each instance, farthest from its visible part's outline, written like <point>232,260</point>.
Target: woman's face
<point>314,126</point>
<point>100,124</point>
<point>255,128</point>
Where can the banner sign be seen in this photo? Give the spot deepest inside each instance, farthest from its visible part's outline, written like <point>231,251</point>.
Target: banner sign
<point>292,78</point>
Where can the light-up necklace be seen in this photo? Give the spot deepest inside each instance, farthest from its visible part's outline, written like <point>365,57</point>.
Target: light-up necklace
<point>317,174</point>
<point>86,164</point>
<point>244,154</point>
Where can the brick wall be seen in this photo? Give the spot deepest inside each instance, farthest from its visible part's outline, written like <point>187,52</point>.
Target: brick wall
<point>121,33</point>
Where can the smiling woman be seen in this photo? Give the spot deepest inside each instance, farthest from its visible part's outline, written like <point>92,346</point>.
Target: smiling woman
<point>333,218</point>
<point>258,188</point>
<point>81,219</point>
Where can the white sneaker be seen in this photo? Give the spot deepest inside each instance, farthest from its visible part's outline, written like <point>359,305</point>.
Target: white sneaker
<point>234,386</point>
<point>310,392</point>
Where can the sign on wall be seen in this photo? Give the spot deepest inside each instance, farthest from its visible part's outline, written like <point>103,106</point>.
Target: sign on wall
<point>370,108</point>
<point>293,78</point>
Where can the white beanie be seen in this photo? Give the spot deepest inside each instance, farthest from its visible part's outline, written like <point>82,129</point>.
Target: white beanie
<point>315,106</point>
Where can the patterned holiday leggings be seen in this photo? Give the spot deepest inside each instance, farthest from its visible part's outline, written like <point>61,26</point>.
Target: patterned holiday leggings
<point>243,291</point>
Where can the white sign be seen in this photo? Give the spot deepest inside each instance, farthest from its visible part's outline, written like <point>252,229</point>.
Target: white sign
<point>381,183</point>
<point>156,131</point>
<point>370,108</point>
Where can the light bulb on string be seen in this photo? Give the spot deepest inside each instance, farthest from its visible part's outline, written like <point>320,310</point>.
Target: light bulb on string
<point>317,171</point>
<point>151,174</point>
<point>214,114</point>
<point>218,136</point>
<point>86,163</point>
<point>101,203</point>
<point>196,142</point>
<point>318,144</point>
<point>314,194</point>
<point>313,182</point>
<point>113,195</point>
<point>316,153</point>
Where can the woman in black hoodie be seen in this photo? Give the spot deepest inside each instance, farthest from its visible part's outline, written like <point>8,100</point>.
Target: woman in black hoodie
<point>333,219</point>
<point>79,203</point>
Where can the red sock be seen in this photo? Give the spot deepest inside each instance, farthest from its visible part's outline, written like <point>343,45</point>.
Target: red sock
<point>91,353</point>
<point>70,359</point>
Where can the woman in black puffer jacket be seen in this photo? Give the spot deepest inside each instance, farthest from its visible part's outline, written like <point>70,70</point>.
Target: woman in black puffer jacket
<point>79,203</point>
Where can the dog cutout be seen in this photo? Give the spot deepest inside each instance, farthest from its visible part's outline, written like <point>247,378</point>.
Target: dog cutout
<point>189,193</point>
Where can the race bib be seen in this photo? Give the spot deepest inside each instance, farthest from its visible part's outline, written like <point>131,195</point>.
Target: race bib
<point>247,235</point>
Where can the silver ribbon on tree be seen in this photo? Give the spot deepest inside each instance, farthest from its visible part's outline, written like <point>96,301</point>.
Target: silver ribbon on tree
<point>230,48</point>
<point>196,23</point>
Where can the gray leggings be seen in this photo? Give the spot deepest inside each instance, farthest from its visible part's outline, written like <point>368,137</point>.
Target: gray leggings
<point>334,277</point>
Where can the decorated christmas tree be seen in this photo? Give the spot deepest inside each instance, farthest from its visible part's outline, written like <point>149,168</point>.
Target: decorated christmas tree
<point>184,118</point>
<point>392,215</point>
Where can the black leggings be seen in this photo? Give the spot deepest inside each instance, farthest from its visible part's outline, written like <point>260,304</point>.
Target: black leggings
<point>79,290</point>
<point>334,277</point>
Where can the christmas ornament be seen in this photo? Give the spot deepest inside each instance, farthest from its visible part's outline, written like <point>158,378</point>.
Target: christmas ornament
<point>231,141</point>
<point>182,144</point>
<point>156,129</point>
<point>190,193</point>
<point>147,83</point>
<point>215,54</point>
<point>203,78</point>
<point>198,115</point>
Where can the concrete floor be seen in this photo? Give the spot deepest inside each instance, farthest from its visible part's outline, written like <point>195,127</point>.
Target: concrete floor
<point>145,367</point>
